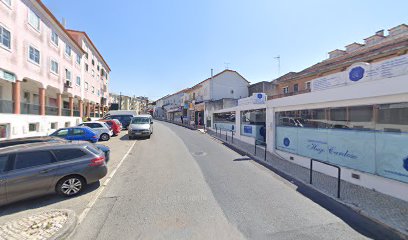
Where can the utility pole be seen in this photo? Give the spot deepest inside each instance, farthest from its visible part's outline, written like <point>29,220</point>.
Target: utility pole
<point>278,59</point>
<point>120,101</point>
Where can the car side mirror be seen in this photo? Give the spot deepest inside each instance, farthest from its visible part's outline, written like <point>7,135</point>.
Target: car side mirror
<point>151,122</point>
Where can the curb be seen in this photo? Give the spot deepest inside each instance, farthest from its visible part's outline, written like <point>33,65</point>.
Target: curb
<point>68,227</point>
<point>300,182</point>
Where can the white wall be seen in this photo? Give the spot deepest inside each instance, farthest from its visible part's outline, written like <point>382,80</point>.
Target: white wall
<point>18,124</point>
<point>227,81</point>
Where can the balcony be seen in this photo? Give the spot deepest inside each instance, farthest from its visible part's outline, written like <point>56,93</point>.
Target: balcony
<point>27,108</point>
<point>65,112</point>
<point>288,94</point>
<point>51,111</point>
<point>6,106</point>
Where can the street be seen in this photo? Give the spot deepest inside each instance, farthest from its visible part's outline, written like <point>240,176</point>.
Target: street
<point>182,184</point>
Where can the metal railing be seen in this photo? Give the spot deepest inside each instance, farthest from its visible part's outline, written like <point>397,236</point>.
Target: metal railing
<point>51,111</point>
<point>27,108</point>
<point>332,165</point>
<point>226,130</point>
<point>76,113</point>
<point>260,143</point>
<point>6,106</point>
<point>65,112</point>
<point>288,94</point>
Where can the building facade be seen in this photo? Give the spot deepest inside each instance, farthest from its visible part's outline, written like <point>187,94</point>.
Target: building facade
<point>42,72</point>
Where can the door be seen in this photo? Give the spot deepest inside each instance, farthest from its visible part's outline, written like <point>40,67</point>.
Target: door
<point>3,164</point>
<point>33,174</point>
<point>98,128</point>
<point>77,134</point>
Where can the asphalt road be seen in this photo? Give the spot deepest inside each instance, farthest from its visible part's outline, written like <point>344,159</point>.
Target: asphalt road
<point>182,184</point>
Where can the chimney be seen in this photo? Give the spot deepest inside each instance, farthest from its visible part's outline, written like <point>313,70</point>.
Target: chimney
<point>63,22</point>
<point>380,33</point>
<point>212,72</point>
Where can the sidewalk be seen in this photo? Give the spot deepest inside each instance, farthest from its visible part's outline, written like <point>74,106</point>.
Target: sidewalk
<point>379,207</point>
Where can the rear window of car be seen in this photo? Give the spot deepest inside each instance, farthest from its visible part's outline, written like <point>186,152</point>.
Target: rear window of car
<point>67,154</point>
<point>93,150</point>
<point>109,123</point>
<point>32,159</point>
<point>122,117</point>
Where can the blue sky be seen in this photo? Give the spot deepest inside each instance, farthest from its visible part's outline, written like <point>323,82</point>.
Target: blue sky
<point>159,47</point>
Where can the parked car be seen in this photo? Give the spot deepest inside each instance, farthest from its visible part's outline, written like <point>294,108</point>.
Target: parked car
<point>77,133</point>
<point>140,126</point>
<point>118,122</point>
<point>31,170</point>
<point>123,116</point>
<point>29,140</point>
<point>100,128</point>
<point>115,127</point>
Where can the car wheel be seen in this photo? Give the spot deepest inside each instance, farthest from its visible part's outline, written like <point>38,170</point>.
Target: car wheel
<point>70,186</point>
<point>105,137</point>
<point>130,137</point>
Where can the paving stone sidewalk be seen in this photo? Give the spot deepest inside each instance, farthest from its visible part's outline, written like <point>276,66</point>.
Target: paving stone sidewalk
<point>49,225</point>
<point>382,208</point>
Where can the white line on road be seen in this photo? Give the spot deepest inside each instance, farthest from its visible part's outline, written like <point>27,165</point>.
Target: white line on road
<point>102,187</point>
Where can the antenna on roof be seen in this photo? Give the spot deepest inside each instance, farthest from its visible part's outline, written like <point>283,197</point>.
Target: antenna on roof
<point>278,59</point>
<point>226,65</point>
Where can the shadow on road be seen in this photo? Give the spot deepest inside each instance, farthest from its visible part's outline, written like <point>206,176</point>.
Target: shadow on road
<point>42,201</point>
<point>242,159</point>
<point>126,138</point>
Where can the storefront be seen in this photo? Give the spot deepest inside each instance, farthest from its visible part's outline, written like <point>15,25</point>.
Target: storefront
<point>360,126</point>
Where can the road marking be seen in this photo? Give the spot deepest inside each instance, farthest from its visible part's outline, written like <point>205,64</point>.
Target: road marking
<point>102,187</point>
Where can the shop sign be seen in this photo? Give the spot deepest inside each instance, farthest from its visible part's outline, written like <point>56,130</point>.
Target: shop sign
<point>256,98</point>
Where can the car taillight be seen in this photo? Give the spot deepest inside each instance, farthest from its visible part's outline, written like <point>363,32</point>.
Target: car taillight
<point>97,161</point>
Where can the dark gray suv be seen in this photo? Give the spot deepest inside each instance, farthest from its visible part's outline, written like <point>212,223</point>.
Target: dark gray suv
<point>36,169</point>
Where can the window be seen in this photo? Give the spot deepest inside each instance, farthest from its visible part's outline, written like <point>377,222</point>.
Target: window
<point>54,38</point>
<point>285,90</point>
<point>7,2</point>
<point>296,87</point>
<point>32,159</point>
<point>67,124</point>
<point>68,50</point>
<point>34,55</point>
<point>78,132</point>
<point>97,67</point>
<point>93,73</point>
<point>308,85</point>
<point>226,117</point>
<point>32,127</point>
<point>3,162</point>
<point>67,154</point>
<point>86,86</point>
<point>4,130</point>
<point>61,133</point>
<point>99,93</point>
<point>93,89</point>
<point>86,55</point>
<point>34,20</point>
<point>78,81</point>
<point>5,38</point>
<point>67,75</point>
<point>78,59</point>
<point>393,117</point>
<point>54,67</point>
<point>86,67</point>
<point>93,62</point>
<point>54,125</point>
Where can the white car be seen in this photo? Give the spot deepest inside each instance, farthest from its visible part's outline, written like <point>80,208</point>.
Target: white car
<point>100,128</point>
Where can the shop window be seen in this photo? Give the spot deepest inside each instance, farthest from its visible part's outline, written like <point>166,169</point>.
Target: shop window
<point>4,130</point>
<point>296,88</point>
<point>67,124</point>
<point>253,123</point>
<point>54,125</point>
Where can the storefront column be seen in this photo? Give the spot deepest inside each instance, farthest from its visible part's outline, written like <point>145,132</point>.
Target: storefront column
<point>99,110</point>
<point>88,109</point>
<point>41,95</point>
<point>71,106</point>
<point>94,110</point>
<point>81,108</point>
<point>59,103</point>
<point>17,97</point>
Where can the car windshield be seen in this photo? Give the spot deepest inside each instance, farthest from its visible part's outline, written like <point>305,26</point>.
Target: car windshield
<point>140,120</point>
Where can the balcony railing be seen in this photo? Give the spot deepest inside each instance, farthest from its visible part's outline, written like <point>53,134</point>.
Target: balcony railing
<point>288,94</point>
<point>76,113</point>
<point>27,108</point>
<point>53,111</point>
<point>65,112</point>
<point>6,106</point>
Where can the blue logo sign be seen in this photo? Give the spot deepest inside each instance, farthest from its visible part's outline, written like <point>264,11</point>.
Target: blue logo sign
<point>259,95</point>
<point>356,74</point>
<point>286,142</point>
<point>405,163</point>
<point>248,129</point>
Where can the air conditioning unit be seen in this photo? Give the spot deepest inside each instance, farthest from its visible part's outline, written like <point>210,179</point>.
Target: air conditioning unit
<point>68,84</point>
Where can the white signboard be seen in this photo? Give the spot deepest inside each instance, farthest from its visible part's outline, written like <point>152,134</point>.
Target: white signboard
<point>256,98</point>
<point>361,72</point>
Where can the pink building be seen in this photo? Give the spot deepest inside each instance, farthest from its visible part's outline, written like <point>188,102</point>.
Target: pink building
<point>45,69</point>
